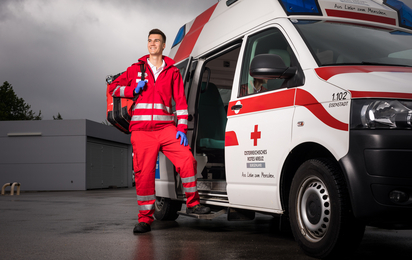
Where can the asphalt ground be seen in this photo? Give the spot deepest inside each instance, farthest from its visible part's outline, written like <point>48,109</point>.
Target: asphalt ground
<point>98,224</point>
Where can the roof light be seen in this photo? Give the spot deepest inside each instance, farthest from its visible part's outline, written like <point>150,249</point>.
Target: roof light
<point>301,7</point>
<point>404,12</point>
<point>180,35</point>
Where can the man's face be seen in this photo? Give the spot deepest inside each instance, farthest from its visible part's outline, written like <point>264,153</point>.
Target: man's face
<point>155,44</point>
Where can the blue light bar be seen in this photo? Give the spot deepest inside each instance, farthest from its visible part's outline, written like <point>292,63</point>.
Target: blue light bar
<point>404,12</point>
<point>180,35</point>
<point>295,7</point>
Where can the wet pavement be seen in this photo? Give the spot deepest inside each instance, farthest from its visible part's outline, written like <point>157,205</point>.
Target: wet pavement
<point>98,224</point>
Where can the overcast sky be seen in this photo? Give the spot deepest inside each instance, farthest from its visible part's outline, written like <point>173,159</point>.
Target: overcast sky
<point>57,53</point>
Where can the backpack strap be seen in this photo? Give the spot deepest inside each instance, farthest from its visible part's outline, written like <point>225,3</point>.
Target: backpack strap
<point>143,71</point>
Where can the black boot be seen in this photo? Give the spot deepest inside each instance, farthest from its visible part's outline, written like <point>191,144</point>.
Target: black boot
<point>198,209</point>
<point>142,227</point>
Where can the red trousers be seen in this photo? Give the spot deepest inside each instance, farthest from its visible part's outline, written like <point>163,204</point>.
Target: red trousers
<point>146,147</point>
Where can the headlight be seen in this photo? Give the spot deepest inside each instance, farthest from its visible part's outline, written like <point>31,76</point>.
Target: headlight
<point>381,114</point>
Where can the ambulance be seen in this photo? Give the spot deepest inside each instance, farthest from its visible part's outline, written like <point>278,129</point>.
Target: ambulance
<point>300,109</point>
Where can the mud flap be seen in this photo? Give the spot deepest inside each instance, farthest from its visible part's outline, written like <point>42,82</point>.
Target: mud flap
<point>240,215</point>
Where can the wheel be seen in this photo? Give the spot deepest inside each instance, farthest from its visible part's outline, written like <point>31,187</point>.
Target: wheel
<point>166,209</point>
<point>320,213</point>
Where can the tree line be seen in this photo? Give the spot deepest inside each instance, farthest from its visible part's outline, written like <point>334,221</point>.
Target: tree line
<point>14,108</point>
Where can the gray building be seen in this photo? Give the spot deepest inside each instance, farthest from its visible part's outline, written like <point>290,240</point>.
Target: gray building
<point>64,155</point>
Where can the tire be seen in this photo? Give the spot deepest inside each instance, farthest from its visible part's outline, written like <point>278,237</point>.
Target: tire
<point>166,209</point>
<point>320,213</point>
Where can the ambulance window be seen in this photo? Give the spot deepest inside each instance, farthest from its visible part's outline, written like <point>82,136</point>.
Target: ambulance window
<point>182,71</point>
<point>269,41</point>
<point>182,67</point>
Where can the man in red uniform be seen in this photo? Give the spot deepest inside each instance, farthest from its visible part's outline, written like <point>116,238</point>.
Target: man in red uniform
<point>153,127</point>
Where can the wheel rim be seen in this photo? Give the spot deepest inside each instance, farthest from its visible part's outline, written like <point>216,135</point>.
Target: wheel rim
<point>313,208</point>
<point>159,203</point>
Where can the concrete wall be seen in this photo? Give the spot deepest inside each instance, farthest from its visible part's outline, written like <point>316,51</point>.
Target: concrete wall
<point>51,154</point>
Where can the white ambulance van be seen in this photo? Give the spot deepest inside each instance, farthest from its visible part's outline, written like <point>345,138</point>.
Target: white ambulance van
<point>302,109</point>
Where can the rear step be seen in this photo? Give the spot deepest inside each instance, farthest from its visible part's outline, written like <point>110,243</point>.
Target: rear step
<point>212,215</point>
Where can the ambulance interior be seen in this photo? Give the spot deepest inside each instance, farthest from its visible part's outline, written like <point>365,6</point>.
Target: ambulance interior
<point>213,101</point>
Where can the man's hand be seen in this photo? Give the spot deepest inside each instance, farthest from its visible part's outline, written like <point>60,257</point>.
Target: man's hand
<point>183,137</point>
<point>140,86</point>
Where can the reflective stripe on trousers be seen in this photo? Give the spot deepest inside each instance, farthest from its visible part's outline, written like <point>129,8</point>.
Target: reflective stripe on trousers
<point>189,184</point>
<point>146,198</point>
<point>146,206</point>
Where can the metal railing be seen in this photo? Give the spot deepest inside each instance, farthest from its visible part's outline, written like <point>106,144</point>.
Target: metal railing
<point>14,184</point>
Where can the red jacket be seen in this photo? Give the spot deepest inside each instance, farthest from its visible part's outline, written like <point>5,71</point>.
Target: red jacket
<point>153,108</point>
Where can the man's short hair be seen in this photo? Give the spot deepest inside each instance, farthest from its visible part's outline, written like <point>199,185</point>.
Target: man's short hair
<point>157,31</point>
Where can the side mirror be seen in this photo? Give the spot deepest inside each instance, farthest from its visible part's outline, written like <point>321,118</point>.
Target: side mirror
<point>270,66</point>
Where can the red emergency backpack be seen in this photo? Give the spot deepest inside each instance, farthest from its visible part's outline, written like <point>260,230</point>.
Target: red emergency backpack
<point>119,109</point>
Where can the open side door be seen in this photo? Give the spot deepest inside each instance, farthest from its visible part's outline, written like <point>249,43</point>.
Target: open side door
<point>211,81</point>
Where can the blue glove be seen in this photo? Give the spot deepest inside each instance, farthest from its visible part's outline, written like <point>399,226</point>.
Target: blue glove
<point>183,137</point>
<point>140,86</point>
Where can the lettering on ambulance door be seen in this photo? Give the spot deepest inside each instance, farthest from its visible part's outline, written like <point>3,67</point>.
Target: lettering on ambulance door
<point>259,126</point>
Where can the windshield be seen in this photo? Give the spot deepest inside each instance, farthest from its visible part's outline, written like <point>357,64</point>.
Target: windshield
<point>335,43</point>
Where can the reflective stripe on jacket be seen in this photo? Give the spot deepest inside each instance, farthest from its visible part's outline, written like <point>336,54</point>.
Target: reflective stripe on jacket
<point>153,108</point>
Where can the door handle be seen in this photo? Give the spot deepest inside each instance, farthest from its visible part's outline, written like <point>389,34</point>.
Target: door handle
<point>236,107</point>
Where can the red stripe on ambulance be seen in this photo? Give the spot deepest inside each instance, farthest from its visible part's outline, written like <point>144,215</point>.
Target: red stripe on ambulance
<point>304,98</point>
<point>191,37</point>
<point>360,16</point>
<point>264,102</point>
<point>284,99</point>
<point>231,139</point>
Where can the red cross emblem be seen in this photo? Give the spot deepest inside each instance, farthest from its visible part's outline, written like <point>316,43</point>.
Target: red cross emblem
<point>255,135</point>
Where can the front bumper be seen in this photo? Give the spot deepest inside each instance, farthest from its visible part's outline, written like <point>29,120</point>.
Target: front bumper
<point>378,163</point>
